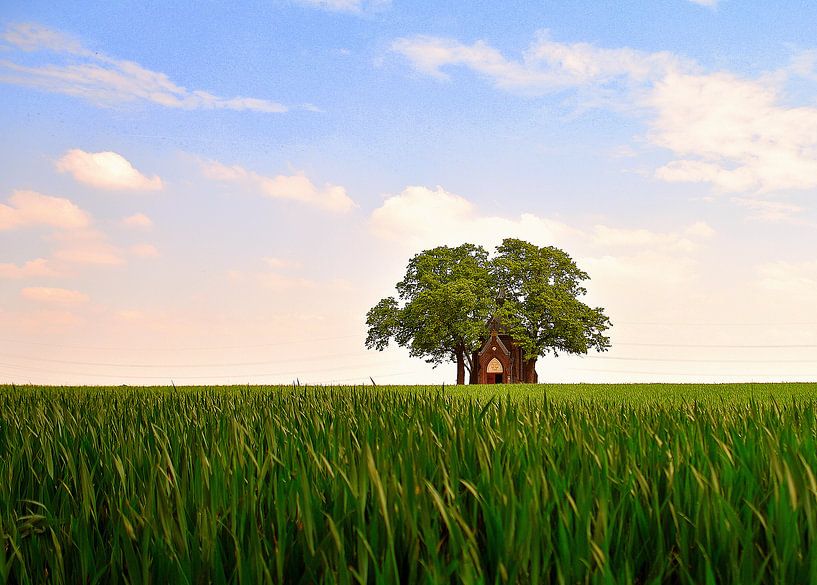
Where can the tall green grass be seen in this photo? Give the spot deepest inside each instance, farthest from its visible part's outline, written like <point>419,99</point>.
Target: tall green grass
<point>617,484</point>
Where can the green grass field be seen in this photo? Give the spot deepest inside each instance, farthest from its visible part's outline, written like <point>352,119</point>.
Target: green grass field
<point>536,484</point>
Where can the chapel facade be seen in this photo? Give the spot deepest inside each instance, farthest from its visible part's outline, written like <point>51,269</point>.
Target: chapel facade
<point>501,360</point>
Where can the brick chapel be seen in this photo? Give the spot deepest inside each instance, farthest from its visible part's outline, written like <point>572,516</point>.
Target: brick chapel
<point>500,361</point>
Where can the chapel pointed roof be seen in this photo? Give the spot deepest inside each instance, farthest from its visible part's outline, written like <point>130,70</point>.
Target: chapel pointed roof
<point>494,341</point>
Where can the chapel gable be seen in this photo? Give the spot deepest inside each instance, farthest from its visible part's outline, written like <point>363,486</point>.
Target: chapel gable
<point>500,360</point>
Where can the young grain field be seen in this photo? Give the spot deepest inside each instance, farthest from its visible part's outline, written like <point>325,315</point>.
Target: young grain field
<point>521,484</point>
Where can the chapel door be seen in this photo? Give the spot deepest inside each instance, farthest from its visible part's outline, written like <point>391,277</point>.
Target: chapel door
<point>494,372</point>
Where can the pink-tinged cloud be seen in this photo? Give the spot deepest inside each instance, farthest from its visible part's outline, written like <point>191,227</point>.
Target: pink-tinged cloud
<point>39,267</point>
<point>29,208</point>
<point>297,187</point>
<point>106,170</point>
<point>86,247</point>
<point>138,220</point>
<point>144,251</point>
<point>56,296</point>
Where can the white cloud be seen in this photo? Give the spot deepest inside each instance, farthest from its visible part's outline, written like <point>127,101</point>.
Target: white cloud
<point>696,171</point>
<point>57,296</point>
<point>29,208</point>
<point>106,170</point>
<point>221,172</point>
<point>730,132</point>
<point>273,280</point>
<point>33,37</point>
<point>644,285</point>
<point>349,6</point>
<point>770,211</point>
<point>707,3</point>
<point>279,277</point>
<point>46,320</point>
<point>106,81</point>
<point>700,229</point>
<point>636,273</point>
<point>794,279</point>
<point>130,315</point>
<point>104,255</point>
<point>88,246</point>
<point>138,220</point>
<point>75,240</point>
<point>300,188</point>
<point>296,187</point>
<point>546,66</point>
<point>421,217</point>
<point>640,271</point>
<point>276,263</point>
<point>144,251</point>
<point>685,241</point>
<point>31,269</point>
<point>276,281</point>
<point>740,136</point>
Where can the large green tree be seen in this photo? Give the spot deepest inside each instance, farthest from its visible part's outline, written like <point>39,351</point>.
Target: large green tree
<point>541,287</point>
<point>445,299</point>
<point>449,294</point>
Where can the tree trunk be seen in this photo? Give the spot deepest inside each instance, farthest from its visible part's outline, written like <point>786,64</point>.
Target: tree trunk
<point>459,351</point>
<point>474,368</point>
<point>530,371</point>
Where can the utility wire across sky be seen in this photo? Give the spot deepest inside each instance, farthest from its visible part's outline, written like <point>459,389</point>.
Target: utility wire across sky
<point>31,364</point>
<point>320,358</point>
<point>282,374</point>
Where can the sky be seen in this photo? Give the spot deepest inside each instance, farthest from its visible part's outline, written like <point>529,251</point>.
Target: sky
<point>216,193</point>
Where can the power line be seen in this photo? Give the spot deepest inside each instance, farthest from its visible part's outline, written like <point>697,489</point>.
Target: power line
<point>717,324</point>
<point>200,348</point>
<point>645,372</point>
<point>692,360</point>
<point>332,356</point>
<point>725,346</point>
<point>363,377</point>
<point>316,339</point>
<point>287,374</point>
<point>222,365</point>
<point>626,344</point>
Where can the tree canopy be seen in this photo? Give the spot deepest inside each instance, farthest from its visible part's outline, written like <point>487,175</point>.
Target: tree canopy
<point>449,294</point>
<point>541,306</point>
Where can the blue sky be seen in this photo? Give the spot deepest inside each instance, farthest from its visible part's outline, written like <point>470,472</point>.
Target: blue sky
<point>186,189</point>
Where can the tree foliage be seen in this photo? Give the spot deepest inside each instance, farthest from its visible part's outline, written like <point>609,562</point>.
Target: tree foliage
<point>541,305</point>
<point>448,295</point>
